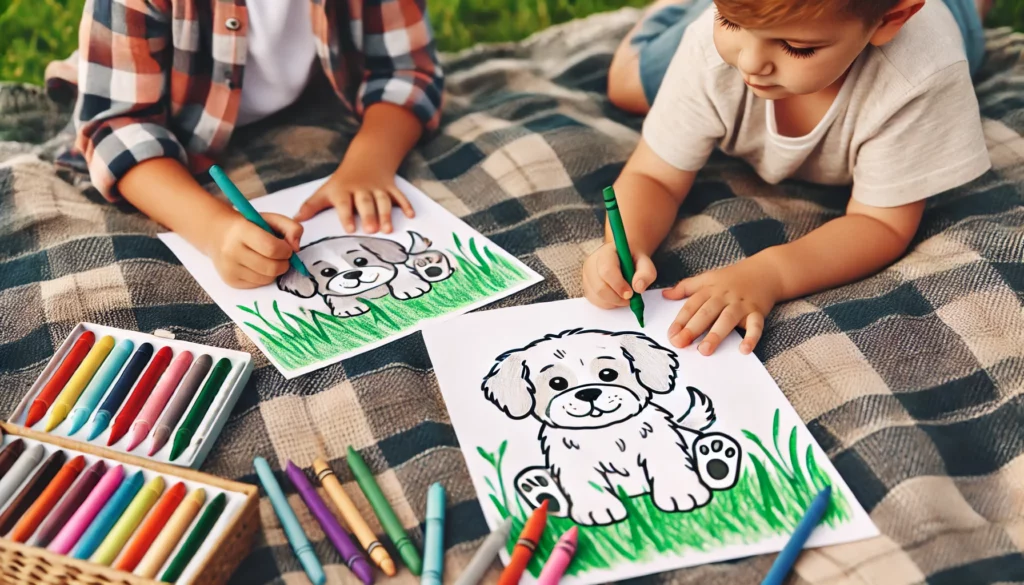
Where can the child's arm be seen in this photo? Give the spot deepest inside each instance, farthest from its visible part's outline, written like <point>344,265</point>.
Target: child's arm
<point>649,193</point>
<point>400,96</point>
<point>844,250</point>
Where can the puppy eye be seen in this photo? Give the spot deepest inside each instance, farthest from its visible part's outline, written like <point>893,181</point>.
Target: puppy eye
<point>360,262</point>
<point>607,375</point>
<point>558,383</point>
<point>328,272</point>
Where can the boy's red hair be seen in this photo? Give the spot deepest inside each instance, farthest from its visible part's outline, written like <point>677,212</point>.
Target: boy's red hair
<point>769,13</point>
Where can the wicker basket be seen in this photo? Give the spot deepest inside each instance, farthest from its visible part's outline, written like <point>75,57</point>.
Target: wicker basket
<point>23,564</point>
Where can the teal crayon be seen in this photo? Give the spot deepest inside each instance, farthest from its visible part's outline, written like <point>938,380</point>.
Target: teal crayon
<point>107,517</point>
<point>249,212</point>
<point>636,302</point>
<point>433,540</point>
<point>301,546</point>
<point>99,384</point>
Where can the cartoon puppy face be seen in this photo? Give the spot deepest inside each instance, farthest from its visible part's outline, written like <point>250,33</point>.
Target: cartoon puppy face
<point>345,266</point>
<point>581,379</point>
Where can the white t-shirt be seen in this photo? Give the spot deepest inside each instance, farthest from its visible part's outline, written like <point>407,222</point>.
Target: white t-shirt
<point>280,52</point>
<point>904,126</point>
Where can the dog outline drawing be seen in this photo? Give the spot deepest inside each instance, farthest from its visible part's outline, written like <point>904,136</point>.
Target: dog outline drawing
<point>592,392</point>
<point>347,268</point>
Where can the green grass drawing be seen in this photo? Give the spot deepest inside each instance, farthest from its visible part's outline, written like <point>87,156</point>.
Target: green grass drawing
<point>297,340</point>
<point>770,497</point>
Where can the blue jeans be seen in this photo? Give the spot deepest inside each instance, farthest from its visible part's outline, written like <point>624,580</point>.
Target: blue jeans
<point>660,35</point>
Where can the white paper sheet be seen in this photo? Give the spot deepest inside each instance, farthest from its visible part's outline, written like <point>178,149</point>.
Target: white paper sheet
<point>615,407</point>
<point>439,268</point>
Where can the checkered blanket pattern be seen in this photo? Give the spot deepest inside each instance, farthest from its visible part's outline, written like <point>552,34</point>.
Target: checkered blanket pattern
<point>910,380</point>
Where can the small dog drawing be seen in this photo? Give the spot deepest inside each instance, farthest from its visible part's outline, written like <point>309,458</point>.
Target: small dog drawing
<point>591,390</point>
<point>345,268</point>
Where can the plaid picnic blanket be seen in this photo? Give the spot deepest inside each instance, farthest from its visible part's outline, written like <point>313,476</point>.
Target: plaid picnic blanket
<point>912,381</point>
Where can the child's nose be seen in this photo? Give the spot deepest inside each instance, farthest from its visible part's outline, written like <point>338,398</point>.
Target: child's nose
<point>754,61</point>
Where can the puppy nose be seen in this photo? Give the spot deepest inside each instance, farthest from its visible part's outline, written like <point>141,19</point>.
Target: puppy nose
<point>588,394</point>
<point>353,274</point>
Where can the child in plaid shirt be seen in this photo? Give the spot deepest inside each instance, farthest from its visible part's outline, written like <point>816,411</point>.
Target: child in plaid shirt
<point>162,84</point>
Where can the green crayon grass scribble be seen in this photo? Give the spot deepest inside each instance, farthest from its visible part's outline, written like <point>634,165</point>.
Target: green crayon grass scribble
<point>769,499</point>
<point>300,339</point>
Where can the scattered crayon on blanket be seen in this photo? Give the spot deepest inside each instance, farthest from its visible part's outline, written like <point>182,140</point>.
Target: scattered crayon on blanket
<point>301,546</point>
<point>485,555</point>
<point>433,539</point>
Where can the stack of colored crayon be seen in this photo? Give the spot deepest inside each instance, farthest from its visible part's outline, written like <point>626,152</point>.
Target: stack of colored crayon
<point>99,510</point>
<point>121,393</point>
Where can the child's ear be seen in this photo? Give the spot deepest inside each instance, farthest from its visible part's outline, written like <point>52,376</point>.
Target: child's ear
<point>893,21</point>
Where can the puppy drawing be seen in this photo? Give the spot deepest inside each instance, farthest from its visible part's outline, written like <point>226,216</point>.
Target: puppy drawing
<point>347,268</point>
<point>592,392</point>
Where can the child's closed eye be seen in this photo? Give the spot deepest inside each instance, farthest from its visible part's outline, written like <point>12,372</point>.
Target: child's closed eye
<point>795,52</point>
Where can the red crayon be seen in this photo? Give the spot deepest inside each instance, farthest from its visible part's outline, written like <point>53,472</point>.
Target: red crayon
<point>56,383</point>
<point>138,397</point>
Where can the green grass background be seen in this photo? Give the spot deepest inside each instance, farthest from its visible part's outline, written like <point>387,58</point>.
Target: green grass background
<point>34,32</point>
<point>778,481</point>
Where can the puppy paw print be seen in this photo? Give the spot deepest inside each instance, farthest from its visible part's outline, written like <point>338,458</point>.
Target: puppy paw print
<point>535,485</point>
<point>718,460</point>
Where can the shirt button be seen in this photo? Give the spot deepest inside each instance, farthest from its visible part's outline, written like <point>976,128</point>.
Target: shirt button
<point>232,24</point>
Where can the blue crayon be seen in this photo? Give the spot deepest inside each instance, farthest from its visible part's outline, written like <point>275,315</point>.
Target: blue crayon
<point>120,390</point>
<point>301,546</point>
<point>433,540</point>
<point>787,557</point>
<point>100,382</point>
<point>107,517</point>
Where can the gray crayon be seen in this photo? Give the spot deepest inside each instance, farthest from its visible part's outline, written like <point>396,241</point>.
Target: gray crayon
<point>179,402</point>
<point>19,471</point>
<point>485,555</point>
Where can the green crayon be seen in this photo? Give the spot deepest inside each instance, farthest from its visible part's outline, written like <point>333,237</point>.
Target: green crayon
<point>195,539</point>
<point>388,520</point>
<point>183,438</point>
<point>636,302</point>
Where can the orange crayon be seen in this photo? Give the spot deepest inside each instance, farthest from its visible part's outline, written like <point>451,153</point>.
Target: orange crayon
<point>150,528</point>
<point>59,378</point>
<point>47,500</point>
<point>525,546</point>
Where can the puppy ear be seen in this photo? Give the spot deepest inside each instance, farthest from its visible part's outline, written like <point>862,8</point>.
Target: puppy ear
<point>386,250</point>
<point>654,366</point>
<point>509,387</point>
<point>296,284</point>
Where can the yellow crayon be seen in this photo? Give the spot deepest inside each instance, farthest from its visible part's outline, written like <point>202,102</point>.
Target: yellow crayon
<point>350,514</point>
<point>128,522</point>
<point>168,538</point>
<point>69,395</point>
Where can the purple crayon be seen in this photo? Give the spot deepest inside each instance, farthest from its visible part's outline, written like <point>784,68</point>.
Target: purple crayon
<point>350,553</point>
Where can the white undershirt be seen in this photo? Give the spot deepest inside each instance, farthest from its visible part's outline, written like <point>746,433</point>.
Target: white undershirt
<point>280,56</point>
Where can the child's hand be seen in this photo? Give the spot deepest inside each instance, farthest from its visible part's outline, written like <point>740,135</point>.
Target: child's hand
<point>246,256</point>
<point>741,294</point>
<point>371,192</point>
<point>603,283</point>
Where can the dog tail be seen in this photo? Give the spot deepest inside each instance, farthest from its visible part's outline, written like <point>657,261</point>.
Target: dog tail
<point>701,414</point>
<point>419,244</point>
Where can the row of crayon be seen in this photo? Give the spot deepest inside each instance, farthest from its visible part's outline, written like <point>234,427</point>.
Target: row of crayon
<point>160,392</point>
<point>106,516</point>
<point>522,552</point>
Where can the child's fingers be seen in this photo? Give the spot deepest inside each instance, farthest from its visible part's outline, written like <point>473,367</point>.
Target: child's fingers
<point>289,229</point>
<point>264,244</point>
<point>724,325</point>
<point>754,327</point>
<point>383,201</point>
<point>342,201</point>
<point>600,294</point>
<point>318,202</point>
<point>684,328</point>
<point>261,265</point>
<point>367,210</point>
<point>645,274</point>
<point>610,273</point>
<point>239,276</point>
<point>402,202</point>
<point>684,288</point>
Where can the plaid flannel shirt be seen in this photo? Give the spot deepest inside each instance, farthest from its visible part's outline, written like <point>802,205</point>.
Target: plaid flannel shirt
<point>162,78</point>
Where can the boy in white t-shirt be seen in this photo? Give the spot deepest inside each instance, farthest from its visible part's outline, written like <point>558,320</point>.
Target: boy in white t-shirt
<point>873,93</point>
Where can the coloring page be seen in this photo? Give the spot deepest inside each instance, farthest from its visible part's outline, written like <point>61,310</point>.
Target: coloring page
<point>663,458</point>
<point>365,290</point>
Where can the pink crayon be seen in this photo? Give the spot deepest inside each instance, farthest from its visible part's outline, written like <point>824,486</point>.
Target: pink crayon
<point>72,531</point>
<point>559,560</point>
<point>158,399</point>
